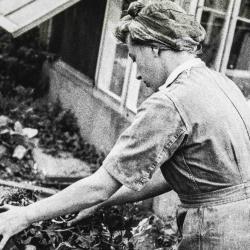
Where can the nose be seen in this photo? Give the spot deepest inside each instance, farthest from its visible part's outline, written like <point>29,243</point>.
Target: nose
<point>138,77</point>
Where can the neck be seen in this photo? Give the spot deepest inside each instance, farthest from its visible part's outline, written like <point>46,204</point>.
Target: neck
<point>171,59</point>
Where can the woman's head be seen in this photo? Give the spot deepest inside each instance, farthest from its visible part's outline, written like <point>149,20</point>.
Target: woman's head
<point>156,35</point>
<point>161,24</point>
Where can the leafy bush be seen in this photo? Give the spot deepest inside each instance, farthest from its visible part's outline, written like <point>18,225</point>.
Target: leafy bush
<point>114,228</point>
<point>58,128</point>
<point>22,58</point>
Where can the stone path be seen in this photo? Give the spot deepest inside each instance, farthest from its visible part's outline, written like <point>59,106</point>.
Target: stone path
<point>63,169</point>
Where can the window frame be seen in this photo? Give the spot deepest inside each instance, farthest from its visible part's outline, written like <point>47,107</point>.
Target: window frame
<point>232,16</point>
<point>234,19</point>
<point>120,101</point>
<point>227,14</point>
<point>100,61</point>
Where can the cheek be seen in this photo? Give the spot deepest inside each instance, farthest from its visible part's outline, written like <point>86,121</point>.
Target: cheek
<point>145,69</point>
<point>150,73</point>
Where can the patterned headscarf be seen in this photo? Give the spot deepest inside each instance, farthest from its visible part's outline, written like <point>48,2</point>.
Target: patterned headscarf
<point>164,24</point>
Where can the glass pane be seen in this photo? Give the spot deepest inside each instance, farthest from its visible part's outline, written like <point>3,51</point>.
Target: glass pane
<point>213,24</point>
<point>221,5</point>
<point>119,69</point>
<point>120,61</point>
<point>133,90</point>
<point>240,52</point>
<point>245,9</point>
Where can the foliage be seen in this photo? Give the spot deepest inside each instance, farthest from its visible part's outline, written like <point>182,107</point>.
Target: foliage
<point>108,229</point>
<point>21,59</point>
<point>112,228</point>
<point>58,129</point>
<point>154,233</point>
<point>16,148</point>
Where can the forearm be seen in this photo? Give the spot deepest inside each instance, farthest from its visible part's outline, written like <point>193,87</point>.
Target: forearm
<point>80,195</point>
<point>156,186</point>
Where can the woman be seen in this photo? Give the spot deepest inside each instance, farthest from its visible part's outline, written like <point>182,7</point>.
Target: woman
<point>194,127</point>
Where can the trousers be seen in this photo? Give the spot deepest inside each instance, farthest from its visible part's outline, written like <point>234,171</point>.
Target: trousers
<point>218,220</point>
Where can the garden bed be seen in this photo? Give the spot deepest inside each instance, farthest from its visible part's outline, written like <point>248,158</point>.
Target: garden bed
<point>108,229</point>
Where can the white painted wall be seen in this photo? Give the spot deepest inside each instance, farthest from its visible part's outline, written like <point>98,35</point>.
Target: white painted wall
<point>99,124</point>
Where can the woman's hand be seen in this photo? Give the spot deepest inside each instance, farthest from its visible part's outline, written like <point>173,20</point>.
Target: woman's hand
<point>13,221</point>
<point>83,215</point>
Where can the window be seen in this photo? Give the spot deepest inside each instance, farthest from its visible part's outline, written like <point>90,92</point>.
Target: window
<point>213,15</point>
<point>238,66</point>
<point>119,69</point>
<point>227,46</point>
<point>114,68</point>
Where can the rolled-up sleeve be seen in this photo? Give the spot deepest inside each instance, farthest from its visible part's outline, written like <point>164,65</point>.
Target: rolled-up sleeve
<point>156,133</point>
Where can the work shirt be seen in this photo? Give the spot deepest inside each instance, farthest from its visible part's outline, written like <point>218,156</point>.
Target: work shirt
<point>195,128</point>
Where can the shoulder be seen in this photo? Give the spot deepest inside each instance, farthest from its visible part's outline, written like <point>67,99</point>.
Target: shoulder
<point>160,101</point>
<point>159,112</point>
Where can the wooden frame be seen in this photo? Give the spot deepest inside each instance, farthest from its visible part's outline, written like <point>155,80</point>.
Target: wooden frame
<point>107,50</point>
<point>102,80</point>
<point>22,15</point>
<point>230,37</point>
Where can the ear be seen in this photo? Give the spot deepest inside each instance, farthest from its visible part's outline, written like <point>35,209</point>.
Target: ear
<point>156,51</point>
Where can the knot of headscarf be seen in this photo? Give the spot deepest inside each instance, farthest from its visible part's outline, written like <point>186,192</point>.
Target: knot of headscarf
<point>135,8</point>
<point>164,23</point>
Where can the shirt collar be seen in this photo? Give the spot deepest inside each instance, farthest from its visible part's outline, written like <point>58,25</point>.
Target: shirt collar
<point>186,66</point>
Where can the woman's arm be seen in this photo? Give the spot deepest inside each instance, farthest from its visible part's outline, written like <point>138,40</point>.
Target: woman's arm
<point>156,186</point>
<point>82,194</point>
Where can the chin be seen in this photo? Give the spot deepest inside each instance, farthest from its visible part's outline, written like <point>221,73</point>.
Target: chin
<point>150,88</point>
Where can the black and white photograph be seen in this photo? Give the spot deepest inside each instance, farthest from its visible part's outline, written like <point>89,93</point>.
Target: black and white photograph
<point>125,124</point>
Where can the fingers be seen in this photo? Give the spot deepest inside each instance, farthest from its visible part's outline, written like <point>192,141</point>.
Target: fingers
<point>75,220</point>
<point>86,213</point>
<point>82,215</point>
<point>4,241</point>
